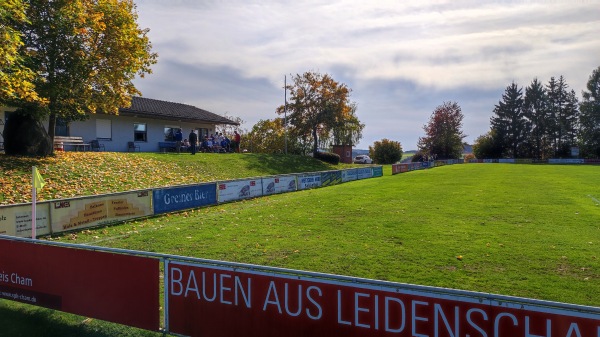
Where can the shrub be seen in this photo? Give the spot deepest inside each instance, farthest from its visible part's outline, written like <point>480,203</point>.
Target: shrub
<point>386,151</point>
<point>328,157</point>
<point>417,157</point>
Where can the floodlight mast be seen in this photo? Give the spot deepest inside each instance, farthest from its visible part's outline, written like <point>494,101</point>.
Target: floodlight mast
<point>285,110</point>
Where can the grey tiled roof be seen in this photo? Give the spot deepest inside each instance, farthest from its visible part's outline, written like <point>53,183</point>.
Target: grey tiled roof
<point>154,108</point>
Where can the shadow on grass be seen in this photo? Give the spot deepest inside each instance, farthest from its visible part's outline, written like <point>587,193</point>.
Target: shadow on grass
<point>280,164</point>
<point>19,320</point>
<point>20,163</point>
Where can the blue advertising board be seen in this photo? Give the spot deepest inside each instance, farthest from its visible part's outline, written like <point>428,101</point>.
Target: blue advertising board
<point>377,171</point>
<point>177,198</point>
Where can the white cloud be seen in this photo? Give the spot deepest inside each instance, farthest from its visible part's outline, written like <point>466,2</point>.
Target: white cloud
<point>467,49</point>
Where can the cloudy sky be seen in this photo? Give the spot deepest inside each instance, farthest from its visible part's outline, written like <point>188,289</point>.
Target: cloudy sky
<point>400,58</point>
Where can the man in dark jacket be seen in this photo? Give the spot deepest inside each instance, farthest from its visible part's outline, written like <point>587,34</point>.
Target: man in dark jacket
<point>193,140</point>
<point>178,140</point>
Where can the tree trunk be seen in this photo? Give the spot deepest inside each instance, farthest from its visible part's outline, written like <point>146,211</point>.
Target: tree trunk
<point>315,141</point>
<point>52,129</point>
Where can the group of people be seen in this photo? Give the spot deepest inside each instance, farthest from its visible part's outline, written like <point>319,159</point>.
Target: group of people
<point>213,143</point>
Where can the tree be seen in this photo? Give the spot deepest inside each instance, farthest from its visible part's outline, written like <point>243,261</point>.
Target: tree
<point>535,110</point>
<point>444,136</point>
<point>590,117</point>
<point>487,147</point>
<point>509,123</point>
<point>318,105</point>
<point>348,130</point>
<point>562,116</point>
<point>386,151</point>
<point>15,78</point>
<point>268,136</point>
<point>228,129</point>
<point>84,55</point>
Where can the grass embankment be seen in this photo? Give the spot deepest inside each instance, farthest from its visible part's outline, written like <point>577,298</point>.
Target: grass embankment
<point>522,230</point>
<point>71,174</point>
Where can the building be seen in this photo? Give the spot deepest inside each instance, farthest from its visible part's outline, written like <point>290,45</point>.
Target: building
<point>147,122</point>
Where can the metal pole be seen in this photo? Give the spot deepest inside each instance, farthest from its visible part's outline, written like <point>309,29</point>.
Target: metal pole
<point>285,110</point>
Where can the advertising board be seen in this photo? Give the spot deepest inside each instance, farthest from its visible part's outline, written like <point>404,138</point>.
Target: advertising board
<point>566,161</point>
<point>330,178</point>
<point>15,220</point>
<point>204,300</point>
<point>309,180</point>
<point>239,189</point>
<point>113,287</point>
<point>348,175</point>
<point>279,184</point>
<point>377,171</point>
<point>184,197</point>
<point>400,168</point>
<point>69,214</point>
<point>364,173</point>
<point>506,161</point>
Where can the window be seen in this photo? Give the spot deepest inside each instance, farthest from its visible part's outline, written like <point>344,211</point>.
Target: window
<point>139,132</point>
<point>203,133</point>
<point>170,132</point>
<point>103,129</point>
<point>61,128</point>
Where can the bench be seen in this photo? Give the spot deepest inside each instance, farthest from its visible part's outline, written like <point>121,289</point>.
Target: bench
<point>61,142</point>
<point>166,146</point>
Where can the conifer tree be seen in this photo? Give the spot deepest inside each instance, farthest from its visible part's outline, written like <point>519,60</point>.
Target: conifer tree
<point>509,122</point>
<point>590,117</point>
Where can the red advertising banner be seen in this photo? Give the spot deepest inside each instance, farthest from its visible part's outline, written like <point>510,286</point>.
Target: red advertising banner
<point>113,287</point>
<point>211,301</point>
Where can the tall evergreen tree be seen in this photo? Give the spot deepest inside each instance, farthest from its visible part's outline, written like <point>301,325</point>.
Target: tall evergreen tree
<point>590,117</point>
<point>509,122</point>
<point>562,116</point>
<point>535,109</point>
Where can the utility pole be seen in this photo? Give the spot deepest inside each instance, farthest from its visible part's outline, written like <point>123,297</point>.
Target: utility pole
<point>285,110</point>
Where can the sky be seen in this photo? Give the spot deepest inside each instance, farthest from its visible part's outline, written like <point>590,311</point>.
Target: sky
<point>401,59</point>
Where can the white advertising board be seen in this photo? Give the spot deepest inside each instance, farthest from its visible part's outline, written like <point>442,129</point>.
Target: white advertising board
<point>16,220</point>
<point>310,180</point>
<point>70,214</point>
<point>279,184</point>
<point>239,189</point>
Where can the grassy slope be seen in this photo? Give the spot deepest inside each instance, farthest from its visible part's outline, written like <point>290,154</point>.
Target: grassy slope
<point>522,230</point>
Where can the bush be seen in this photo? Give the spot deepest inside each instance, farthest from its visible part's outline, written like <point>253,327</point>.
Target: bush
<point>386,151</point>
<point>417,157</point>
<point>328,157</point>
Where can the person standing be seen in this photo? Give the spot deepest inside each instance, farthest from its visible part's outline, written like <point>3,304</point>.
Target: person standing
<point>178,140</point>
<point>193,137</point>
<point>237,139</point>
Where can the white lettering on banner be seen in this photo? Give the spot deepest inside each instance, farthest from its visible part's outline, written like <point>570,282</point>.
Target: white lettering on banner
<point>529,334</point>
<point>272,288</point>
<point>316,304</point>
<point>23,281</point>
<point>497,321</point>
<point>272,298</point>
<point>177,288</point>
<point>374,312</point>
<point>475,326</point>
<point>200,195</point>
<point>438,312</point>
<point>416,318</point>
<point>15,278</point>
<point>183,197</point>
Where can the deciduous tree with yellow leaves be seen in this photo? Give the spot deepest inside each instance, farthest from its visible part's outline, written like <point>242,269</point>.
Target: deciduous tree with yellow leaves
<point>319,105</point>
<point>83,54</point>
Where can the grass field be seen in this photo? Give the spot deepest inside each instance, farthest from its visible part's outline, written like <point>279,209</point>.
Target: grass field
<point>522,230</point>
